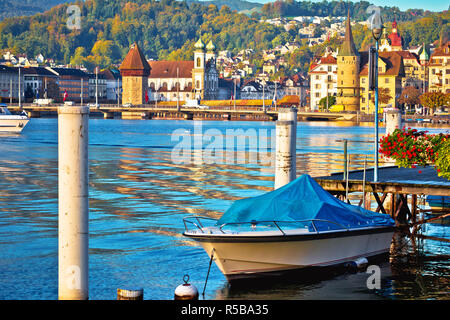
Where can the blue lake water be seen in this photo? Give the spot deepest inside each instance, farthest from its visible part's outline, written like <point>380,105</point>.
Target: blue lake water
<point>139,193</point>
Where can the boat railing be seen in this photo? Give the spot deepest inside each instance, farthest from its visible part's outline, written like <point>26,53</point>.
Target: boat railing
<point>313,225</point>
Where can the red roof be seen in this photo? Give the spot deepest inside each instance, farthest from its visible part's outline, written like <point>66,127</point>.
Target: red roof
<point>168,69</point>
<point>135,61</point>
<point>328,60</point>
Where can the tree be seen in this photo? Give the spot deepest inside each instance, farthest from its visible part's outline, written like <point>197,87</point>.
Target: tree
<point>410,96</point>
<point>331,101</point>
<point>384,96</point>
<point>434,100</point>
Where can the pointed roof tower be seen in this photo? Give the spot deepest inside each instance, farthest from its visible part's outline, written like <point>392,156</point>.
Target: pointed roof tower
<point>210,46</point>
<point>348,47</point>
<point>424,56</point>
<point>135,62</point>
<point>199,45</point>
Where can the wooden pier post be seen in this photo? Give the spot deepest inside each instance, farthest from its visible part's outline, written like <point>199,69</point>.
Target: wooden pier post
<point>73,203</point>
<point>286,138</point>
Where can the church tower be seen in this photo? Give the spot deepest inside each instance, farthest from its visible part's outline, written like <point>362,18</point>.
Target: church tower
<point>198,73</point>
<point>395,38</point>
<point>135,71</point>
<point>348,61</point>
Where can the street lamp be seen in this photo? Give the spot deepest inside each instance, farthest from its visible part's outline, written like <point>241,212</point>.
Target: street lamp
<point>376,25</point>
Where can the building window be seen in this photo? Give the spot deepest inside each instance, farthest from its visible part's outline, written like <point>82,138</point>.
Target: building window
<point>199,62</point>
<point>386,80</point>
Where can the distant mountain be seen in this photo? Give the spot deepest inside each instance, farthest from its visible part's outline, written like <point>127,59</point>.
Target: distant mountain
<point>14,8</point>
<point>238,5</point>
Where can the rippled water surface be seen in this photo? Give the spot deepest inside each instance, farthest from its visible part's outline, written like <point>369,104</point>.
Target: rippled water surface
<point>139,193</point>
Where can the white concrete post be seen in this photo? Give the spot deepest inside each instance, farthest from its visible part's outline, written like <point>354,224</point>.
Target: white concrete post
<point>286,138</point>
<point>73,203</point>
<point>393,120</point>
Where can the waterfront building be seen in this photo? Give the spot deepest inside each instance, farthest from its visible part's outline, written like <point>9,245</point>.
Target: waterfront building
<point>323,78</point>
<point>9,83</point>
<point>390,78</point>
<point>261,90</point>
<point>171,80</point>
<point>97,84</point>
<point>135,71</point>
<point>71,81</point>
<point>186,80</point>
<point>40,81</point>
<point>439,69</point>
<point>346,74</point>
<point>296,85</point>
<point>113,83</point>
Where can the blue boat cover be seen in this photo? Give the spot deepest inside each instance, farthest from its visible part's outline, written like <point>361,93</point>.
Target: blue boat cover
<point>302,199</point>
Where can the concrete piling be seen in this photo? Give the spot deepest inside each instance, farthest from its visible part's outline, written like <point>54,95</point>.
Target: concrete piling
<point>286,138</point>
<point>393,120</point>
<point>73,203</point>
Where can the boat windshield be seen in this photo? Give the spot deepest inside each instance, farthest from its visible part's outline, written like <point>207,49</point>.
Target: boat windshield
<point>4,111</point>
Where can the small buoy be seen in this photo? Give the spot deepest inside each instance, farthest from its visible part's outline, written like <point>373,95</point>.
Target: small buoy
<point>186,291</point>
<point>130,294</point>
<point>359,263</point>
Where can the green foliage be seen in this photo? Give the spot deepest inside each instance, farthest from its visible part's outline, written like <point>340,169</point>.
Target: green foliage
<point>323,102</point>
<point>443,159</point>
<point>168,29</point>
<point>434,100</point>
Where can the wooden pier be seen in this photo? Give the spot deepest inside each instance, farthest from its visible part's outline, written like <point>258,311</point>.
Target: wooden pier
<point>395,189</point>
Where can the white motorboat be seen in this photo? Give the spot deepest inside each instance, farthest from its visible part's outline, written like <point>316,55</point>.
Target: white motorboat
<point>296,226</point>
<point>10,122</point>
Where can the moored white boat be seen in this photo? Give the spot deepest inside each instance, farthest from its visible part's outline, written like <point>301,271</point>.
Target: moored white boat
<point>306,227</point>
<point>10,122</point>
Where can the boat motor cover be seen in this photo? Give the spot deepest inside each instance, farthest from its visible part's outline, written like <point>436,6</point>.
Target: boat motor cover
<point>300,200</point>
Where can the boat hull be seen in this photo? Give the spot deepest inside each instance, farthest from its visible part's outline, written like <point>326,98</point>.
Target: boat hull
<point>244,257</point>
<point>13,125</point>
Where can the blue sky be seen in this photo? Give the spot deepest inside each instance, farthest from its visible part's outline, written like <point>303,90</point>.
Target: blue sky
<point>432,5</point>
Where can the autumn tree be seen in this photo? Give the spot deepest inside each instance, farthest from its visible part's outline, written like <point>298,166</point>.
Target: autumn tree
<point>384,96</point>
<point>434,100</point>
<point>410,96</point>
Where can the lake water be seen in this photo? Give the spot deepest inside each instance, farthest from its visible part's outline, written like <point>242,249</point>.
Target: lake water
<point>140,191</point>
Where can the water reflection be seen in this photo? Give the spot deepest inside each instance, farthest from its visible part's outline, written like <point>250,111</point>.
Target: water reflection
<point>138,197</point>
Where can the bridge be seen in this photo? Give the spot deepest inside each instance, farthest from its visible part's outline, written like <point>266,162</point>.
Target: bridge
<point>171,111</point>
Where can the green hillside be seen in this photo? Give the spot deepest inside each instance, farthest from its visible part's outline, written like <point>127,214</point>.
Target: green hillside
<point>168,29</point>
